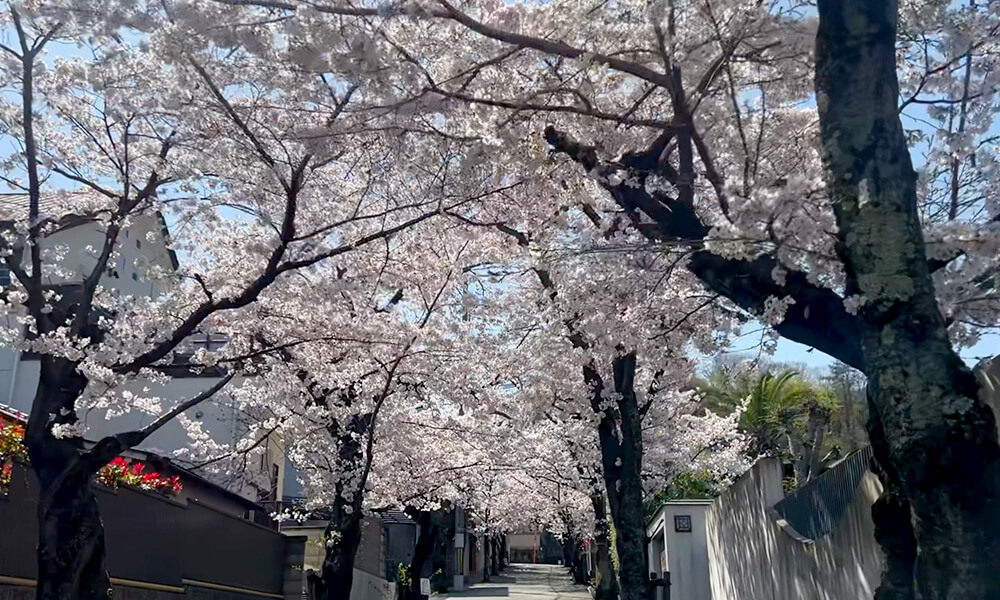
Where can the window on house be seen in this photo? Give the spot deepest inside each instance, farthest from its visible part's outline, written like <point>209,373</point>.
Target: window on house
<point>460,561</point>
<point>138,243</point>
<point>4,276</point>
<point>209,341</point>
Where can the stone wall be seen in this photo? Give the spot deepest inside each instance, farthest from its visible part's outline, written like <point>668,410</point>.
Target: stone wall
<point>370,587</point>
<point>754,553</point>
<point>371,551</point>
<point>369,564</point>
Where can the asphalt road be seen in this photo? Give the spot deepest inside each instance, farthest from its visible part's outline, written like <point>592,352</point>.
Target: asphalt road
<point>531,582</point>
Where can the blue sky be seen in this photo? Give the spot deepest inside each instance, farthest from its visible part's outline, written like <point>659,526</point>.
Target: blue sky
<point>793,352</point>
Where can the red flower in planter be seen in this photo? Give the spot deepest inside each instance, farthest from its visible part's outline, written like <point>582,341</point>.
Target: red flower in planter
<point>11,448</point>
<point>120,471</point>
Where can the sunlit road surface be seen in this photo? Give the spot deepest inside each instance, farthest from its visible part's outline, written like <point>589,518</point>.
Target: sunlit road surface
<point>531,582</point>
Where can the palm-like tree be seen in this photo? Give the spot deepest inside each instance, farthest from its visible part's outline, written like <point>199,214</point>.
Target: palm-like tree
<point>785,415</point>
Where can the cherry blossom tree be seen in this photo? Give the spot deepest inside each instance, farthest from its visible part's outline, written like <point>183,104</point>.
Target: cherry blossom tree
<point>798,204</point>
<point>253,157</point>
<point>699,177</point>
<point>368,367</point>
<point>590,313</point>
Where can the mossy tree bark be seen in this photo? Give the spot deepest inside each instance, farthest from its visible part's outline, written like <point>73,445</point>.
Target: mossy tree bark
<point>940,438</point>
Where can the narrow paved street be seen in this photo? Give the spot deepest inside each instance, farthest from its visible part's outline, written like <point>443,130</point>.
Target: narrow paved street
<point>530,582</point>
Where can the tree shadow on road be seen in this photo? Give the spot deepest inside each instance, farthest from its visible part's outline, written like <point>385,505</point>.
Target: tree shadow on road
<point>478,592</point>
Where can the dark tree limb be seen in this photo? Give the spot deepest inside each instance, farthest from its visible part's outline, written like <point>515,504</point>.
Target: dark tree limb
<point>113,445</point>
<point>817,318</point>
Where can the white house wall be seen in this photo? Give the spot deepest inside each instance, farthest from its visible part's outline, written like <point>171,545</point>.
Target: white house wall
<point>687,553</point>
<point>751,557</point>
<point>140,246</point>
<point>218,413</point>
<point>18,381</point>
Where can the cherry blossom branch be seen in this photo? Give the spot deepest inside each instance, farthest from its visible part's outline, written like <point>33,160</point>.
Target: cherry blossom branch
<point>373,416</point>
<point>87,182</point>
<point>208,462</point>
<point>281,348</point>
<point>556,108</point>
<point>275,267</point>
<point>113,445</point>
<point>33,285</point>
<point>671,83</point>
<point>557,48</point>
<point>111,234</point>
<point>817,318</point>
<point>347,11</point>
<point>233,115</point>
<point>963,114</point>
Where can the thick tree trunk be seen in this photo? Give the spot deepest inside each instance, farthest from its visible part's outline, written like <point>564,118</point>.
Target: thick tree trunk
<point>71,554</point>
<point>891,516</point>
<point>343,535</point>
<point>894,533</point>
<point>71,541</point>
<point>607,581</point>
<point>343,532</point>
<point>487,557</point>
<point>941,437</point>
<point>495,563</point>
<point>417,566</point>
<point>620,433</point>
<point>426,542</point>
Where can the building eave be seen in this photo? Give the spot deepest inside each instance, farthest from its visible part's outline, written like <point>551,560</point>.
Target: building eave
<point>651,523</point>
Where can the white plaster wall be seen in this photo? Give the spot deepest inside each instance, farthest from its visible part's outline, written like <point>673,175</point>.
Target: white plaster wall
<point>751,557</point>
<point>18,380</point>
<point>8,360</point>
<point>142,244</point>
<point>218,414</point>
<point>687,553</point>
<point>134,257</point>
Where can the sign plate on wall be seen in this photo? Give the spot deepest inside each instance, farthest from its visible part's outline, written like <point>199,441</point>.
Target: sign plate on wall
<point>682,523</point>
<point>425,587</point>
